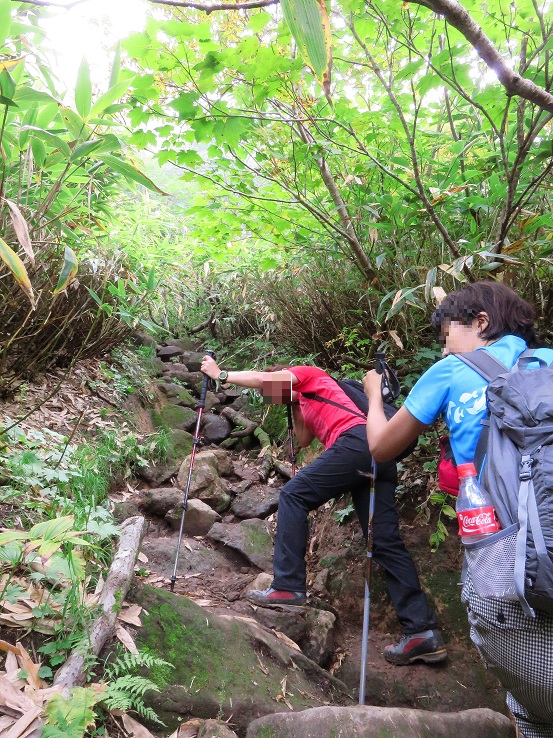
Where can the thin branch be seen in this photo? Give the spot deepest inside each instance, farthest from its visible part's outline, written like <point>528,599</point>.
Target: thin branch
<point>47,4</point>
<point>246,5</point>
<point>457,16</point>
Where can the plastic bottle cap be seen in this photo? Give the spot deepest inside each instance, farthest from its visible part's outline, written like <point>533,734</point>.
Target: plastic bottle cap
<point>466,470</point>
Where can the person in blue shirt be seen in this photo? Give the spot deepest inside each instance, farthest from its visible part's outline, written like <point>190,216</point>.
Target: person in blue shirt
<point>485,316</point>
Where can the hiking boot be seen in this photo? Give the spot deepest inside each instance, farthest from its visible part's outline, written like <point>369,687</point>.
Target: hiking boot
<point>271,596</point>
<point>427,646</point>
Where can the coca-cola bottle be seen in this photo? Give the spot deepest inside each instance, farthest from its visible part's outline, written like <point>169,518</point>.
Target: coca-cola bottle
<point>475,511</point>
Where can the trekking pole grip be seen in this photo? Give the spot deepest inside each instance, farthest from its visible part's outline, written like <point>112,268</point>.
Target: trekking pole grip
<point>206,381</point>
<point>380,368</point>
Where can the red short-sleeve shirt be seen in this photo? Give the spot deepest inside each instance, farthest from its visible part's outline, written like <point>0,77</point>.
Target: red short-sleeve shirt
<point>326,422</point>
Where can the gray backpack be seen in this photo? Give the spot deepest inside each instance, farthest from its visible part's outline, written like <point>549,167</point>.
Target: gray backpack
<point>516,452</point>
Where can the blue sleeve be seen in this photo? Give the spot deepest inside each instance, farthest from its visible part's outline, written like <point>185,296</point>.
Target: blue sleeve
<point>427,400</point>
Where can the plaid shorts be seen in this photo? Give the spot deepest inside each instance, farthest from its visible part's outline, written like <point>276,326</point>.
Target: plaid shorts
<point>519,651</point>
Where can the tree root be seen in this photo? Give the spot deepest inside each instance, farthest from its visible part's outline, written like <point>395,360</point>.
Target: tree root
<point>248,426</point>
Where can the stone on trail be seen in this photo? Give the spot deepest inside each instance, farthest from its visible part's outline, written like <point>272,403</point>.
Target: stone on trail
<point>215,729</point>
<point>174,417</point>
<point>382,722</point>
<point>157,475</point>
<point>181,373</point>
<point>255,502</point>
<point>215,429</point>
<point>194,557</point>
<point>198,520</point>
<point>250,538</point>
<point>211,400</point>
<point>140,338</point>
<point>288,620</point>
<point>318,644</point>
<point>193,360</point>
<point>205,483</point>
<point>218,458</point>
<point>166,353</point>
<point>177,394</point>
<point>124,510</point>
<point>161,500</point>
<point>185,344</point>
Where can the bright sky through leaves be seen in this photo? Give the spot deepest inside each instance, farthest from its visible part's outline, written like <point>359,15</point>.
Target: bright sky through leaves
<point>90,29</point>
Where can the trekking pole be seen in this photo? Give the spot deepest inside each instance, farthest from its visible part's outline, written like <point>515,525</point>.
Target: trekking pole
<point>386,391</point>
<point>291,438</point>
<point>195,444</point>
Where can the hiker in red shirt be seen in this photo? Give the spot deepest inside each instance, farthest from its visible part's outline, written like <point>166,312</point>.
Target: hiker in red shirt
<point>343,467</point>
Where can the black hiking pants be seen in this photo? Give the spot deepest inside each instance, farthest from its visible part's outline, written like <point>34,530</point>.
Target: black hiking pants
<point>337,471</point>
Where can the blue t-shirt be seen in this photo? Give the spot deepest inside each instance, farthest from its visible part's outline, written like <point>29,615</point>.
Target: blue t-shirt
<point>453,391</point>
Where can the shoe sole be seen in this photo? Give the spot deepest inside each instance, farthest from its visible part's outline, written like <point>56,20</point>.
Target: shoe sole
<point>428,658</point>
<point>273,603</point>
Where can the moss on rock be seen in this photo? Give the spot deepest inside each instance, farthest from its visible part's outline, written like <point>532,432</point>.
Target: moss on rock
<point>216,670</point>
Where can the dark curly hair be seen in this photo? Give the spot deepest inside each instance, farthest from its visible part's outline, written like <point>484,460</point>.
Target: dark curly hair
<point>508,314</point>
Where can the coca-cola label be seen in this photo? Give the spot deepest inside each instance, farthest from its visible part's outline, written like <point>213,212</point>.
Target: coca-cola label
<point>479,521</point>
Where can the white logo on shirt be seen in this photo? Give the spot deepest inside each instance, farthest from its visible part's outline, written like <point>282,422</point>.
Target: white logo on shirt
<point>456,413</point>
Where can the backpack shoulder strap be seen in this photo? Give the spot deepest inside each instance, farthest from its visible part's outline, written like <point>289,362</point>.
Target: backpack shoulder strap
<point>319,398</point>
<point>484,363</point>
<point>489,368</point>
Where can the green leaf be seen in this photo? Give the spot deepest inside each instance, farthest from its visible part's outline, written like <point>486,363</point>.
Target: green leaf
<point>115,92</point>
<point>116,66</point>
<point>5,19</point>
<point>25,95</point>
<point>13,535</point>
<point>17,268</point>
<point>50,138</point>
<point>190,159</point>
<point>85,149</point>
<point>49,529</point>
<point>184,105</point>
<point>310,26</point>
<point>130,172</point>
<point>74,122</point>
<point>7,85</point>
<point>83,89</point>
<point>68,272</point>
<point>259,21</point>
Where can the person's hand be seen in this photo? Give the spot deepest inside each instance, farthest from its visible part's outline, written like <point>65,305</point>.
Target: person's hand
<point>372,384</point>
<point>210,367</point>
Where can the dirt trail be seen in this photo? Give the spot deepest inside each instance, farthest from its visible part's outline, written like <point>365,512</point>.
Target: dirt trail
<point>335,579</point>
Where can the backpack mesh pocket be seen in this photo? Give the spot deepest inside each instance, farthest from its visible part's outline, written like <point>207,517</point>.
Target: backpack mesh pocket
<point>491,563</point>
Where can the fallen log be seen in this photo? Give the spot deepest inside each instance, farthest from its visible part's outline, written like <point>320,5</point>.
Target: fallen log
<point>115,589</point>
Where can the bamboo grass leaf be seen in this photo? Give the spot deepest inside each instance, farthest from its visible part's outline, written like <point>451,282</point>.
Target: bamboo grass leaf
<point>21,230</point>
<point>49,529</point>
<point>9,63</point>
<point>310,26</point>
<point>17,268</point>
<point>5,19</point>
<point>130,172</point>
<point>12,535</point>
<point>68,272</point>
<point>116,66</point>
<point>7,85</point>
<point>114,93</point>
<point>83,89</point>
<point>50,138</point>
